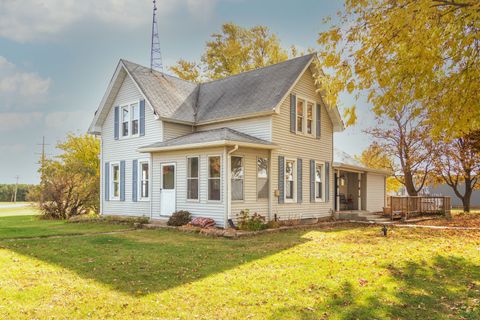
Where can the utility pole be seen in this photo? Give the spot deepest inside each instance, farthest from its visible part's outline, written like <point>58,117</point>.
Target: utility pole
<point>16,189</point>
<point>42,167</point>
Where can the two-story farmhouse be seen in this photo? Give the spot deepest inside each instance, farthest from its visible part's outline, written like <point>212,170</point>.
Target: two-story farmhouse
<point>260,140</point>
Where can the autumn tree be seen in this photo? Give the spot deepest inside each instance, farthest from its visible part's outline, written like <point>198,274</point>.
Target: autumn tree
<point>403,136</point>
<point>375,157</point>
<point>71,181</point>
<point>458,164</point>
<point>235,49</point>
<point>420,54</point>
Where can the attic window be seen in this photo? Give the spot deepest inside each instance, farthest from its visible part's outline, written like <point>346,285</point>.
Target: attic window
<point>130,115</point>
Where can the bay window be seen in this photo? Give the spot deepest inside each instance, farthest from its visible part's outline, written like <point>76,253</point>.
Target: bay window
<point>214,176</point>
<point>192,178</point>
<point>237,177</point>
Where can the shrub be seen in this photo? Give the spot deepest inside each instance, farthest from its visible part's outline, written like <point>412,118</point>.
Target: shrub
<point>95,218</point>
<point>179,218</point>
<point>249,222</point>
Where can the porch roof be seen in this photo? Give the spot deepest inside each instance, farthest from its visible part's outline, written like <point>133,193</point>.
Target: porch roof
<point>355,168</point>
<point>209,138</point>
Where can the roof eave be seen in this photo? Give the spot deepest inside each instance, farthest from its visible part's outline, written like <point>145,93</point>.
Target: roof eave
<point>341,165</point>
<point>202,145</point>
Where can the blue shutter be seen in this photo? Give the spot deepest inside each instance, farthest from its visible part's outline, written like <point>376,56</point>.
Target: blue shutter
<point>312,180</point>
<point>106,177</point>
<point>318,121</point>
<point>293,113</point>
<point>281,179</point>
<point>327,181</point>
<point>122,180</point>
<point>134,180</point>
<point>142,118</point>
<point>299,181</point>
<point>116,123</point>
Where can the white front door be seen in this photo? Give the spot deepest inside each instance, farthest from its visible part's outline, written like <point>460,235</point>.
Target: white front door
<point>167,190</point>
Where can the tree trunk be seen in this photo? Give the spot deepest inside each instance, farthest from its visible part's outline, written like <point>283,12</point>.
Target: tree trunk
<point>467,197</point>
<point>409,185</point>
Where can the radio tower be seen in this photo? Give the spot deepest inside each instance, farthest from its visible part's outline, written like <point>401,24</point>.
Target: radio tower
<point>155,53</point>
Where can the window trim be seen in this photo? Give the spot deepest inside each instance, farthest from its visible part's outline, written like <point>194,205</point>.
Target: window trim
<point>304,115</point>
<point>267,178</point>
<point>139,179</point>
<point>220,178</point>
<point>111,182</point>
<point>243,178</point>
<point>198,178</point>
<point>322,199</point>
<point>130,122</point>
<point>295,181</point>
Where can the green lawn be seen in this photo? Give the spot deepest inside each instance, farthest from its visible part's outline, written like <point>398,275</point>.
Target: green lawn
<point>344,272</point>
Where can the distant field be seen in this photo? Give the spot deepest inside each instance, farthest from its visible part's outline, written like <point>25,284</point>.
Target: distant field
<point>20,211</point>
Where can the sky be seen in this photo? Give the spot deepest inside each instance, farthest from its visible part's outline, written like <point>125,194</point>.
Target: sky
<point>58,56</point>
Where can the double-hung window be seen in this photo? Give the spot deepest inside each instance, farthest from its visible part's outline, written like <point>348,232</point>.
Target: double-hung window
<point>319,183</point>
<point>115,180</point>
<point>262,178</point>
<point>309,117</point>
<point>130,120</point>
<point>192,178</point>
<point>290,177</point>
<point>125,121</point>
<point>300,115</point>
<point>144,179</point>
<point>237,177</point>
<point>214,177</point>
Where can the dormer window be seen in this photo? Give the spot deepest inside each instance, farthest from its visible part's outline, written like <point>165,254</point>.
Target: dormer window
<point>130,115</point>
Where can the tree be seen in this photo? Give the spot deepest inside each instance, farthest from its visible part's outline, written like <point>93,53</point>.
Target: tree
<point>71,182</point>
<point>235,49</point>
<point>403,135</point>
<point>422,54</point>
<point>374,157</point>
<point>457,162</point>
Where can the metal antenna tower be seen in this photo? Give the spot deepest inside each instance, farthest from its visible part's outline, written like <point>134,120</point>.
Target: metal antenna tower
<point>155,53</point>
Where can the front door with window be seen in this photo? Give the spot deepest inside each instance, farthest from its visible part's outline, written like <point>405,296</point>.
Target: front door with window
<point>167,191</point>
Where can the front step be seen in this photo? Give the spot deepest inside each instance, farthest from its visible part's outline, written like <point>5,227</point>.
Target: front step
<point>156,223</point>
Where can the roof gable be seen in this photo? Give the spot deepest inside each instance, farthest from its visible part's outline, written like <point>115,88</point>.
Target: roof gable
<point>247,94</point>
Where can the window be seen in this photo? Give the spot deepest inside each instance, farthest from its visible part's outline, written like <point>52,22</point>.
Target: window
<point>192,178</point>
<point>319,176</point>
<point>214,172</point>
<point>237,178</point>
<point>144,179</point>
<point>309,118</point>
<point>290,180</point>
<point>135,117</point>
<point>115,180</point>
<point>125,121</point>
<point>262,178</point>
<point>300,115</point>
<point>130,115</point>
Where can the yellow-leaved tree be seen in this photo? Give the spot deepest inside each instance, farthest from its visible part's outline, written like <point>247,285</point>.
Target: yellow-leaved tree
<point>422,54</point>
<point>234,50</point>
<point>375,157</point>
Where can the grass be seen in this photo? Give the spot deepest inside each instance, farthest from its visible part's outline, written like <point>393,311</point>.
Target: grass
<point>342,272</point>
<point>459,219</point>
<point>24,222</point>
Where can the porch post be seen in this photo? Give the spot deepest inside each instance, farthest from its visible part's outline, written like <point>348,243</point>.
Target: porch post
<point>270,178</point>
<point>227,185</point>
<point>337,190</point>
<point>360,191</point>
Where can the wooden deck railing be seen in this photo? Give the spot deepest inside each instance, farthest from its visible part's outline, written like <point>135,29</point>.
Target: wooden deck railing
<point>405,206</point>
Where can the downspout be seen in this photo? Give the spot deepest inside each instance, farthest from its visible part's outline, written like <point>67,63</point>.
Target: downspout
<point>229,185</point>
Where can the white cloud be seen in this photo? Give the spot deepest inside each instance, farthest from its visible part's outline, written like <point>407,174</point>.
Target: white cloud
<point>31,20</point>
<point>15,121</point>
<point>19,88</point>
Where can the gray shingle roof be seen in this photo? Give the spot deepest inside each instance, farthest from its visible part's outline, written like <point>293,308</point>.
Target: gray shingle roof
<point>251,92</point>
<point>216,135</point>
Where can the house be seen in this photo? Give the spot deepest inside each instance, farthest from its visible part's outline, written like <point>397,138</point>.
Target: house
<point>260,140</point>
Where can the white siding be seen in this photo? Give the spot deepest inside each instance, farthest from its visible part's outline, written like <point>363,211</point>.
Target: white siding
<point>375,192</point>
<point>260,127</point>
<point>250,201</point>
<point>125,149</point>
<point>174,130</point>
<point>293,146</point>
<point>203,207</point>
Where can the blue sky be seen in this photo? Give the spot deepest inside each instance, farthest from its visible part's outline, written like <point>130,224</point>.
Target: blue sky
<point>57,57</point>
